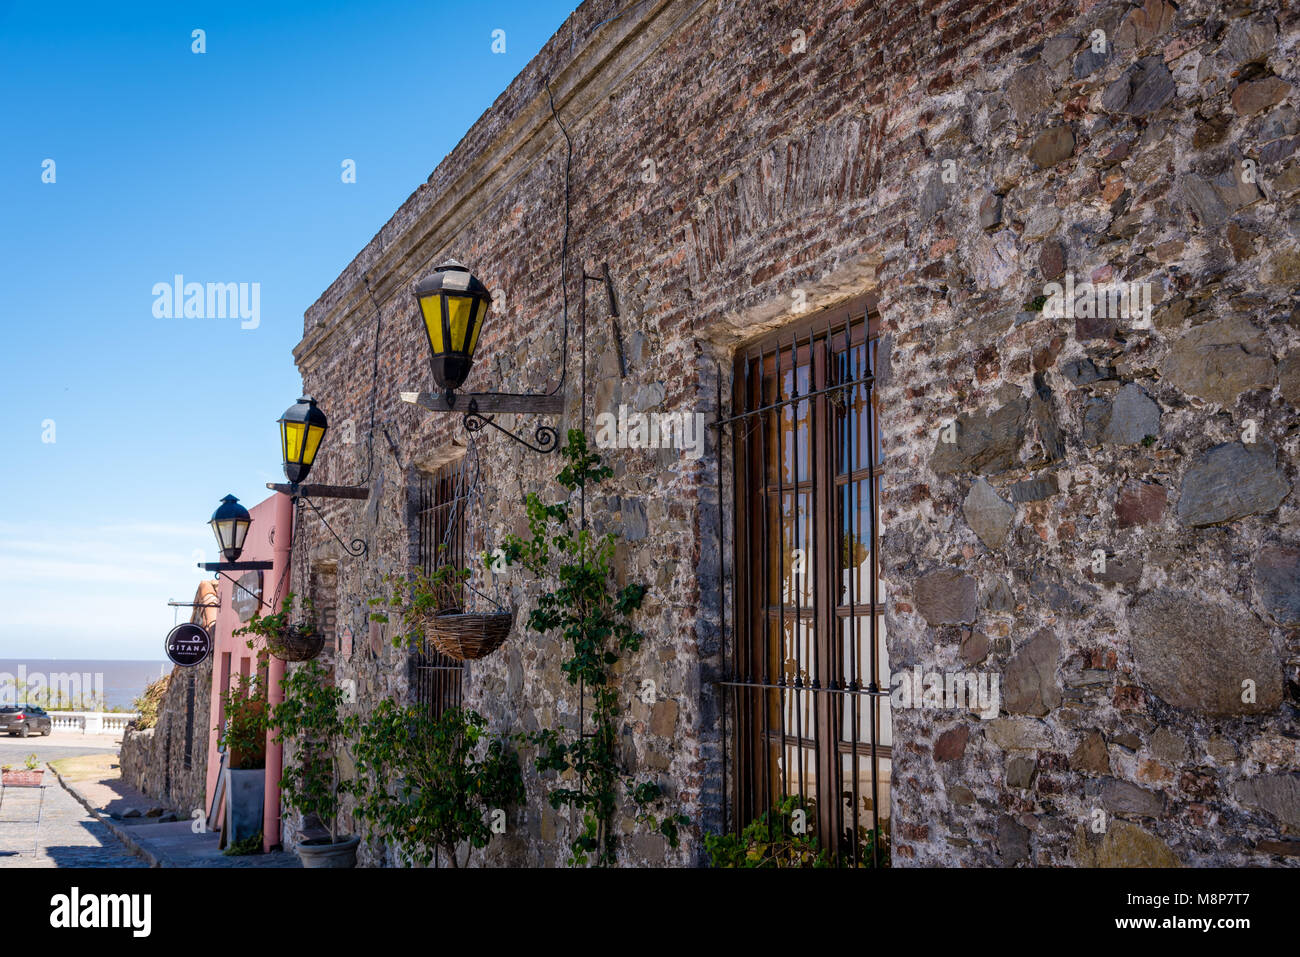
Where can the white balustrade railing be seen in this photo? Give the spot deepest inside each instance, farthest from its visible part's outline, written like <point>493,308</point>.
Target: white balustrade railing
<point>91,722</point>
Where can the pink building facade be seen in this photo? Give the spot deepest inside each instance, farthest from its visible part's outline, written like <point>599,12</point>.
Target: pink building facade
<point>269,539</point>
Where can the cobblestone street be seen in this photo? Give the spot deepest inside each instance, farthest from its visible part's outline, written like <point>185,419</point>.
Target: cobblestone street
<point>69,835</point>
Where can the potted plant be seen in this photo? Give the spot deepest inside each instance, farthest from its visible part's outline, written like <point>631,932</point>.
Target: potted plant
<point>430,790</point>
<point>288,640</point>
<point>311,783</point>
<point>29,775</point>
<point>243,735</point>
<point>781,837</point>
<point>431,608</point>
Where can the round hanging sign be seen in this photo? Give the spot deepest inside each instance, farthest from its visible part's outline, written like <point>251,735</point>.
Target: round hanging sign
<point>188,644</point>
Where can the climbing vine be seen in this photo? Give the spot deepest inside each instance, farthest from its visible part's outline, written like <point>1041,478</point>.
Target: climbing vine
<point>592,616</point>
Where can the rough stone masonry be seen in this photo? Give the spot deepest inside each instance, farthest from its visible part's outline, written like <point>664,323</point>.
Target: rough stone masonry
<point>1099,508</point>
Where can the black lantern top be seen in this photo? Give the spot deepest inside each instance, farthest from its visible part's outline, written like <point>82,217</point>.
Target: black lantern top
<point>302,429</point>
<point>230,524</point>
<point>453,303</point>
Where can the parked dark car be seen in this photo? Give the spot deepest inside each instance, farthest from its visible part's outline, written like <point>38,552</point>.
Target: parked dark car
<point>24,720</point>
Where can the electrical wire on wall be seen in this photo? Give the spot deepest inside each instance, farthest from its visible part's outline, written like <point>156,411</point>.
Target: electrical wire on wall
<point>374,385</point>
<point>582,381</point>
<point>564,272</point>
<point>564,251</point>
<point>404,283</point>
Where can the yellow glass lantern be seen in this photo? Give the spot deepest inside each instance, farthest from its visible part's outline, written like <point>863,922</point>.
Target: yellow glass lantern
<point>302,429</point>
<point>453,303</point>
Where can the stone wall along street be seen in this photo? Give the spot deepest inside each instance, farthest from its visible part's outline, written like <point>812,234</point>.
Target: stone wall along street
<point>1079,224</point>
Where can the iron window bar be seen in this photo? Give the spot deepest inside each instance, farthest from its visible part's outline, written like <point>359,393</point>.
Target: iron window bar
<point>441,500</point>
<point>793,400</point>
<point>812,430</point>
<point>772,685</point>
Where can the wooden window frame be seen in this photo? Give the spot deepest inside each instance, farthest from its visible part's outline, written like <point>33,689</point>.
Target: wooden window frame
<point>759,681</point>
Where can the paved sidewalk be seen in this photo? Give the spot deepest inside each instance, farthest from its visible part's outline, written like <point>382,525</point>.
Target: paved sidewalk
<point>69,835</point>
<point>152,832</point>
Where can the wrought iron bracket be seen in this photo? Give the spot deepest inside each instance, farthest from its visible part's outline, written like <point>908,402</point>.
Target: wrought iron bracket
<point>356,549</point>
<point>480,408</point>
<point>237,566</point>
<point>547,438</point>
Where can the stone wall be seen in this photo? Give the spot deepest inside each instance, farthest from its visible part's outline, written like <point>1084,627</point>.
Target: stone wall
<point>1112,529</point>
<point>169,761</point>
<point>155,760</point>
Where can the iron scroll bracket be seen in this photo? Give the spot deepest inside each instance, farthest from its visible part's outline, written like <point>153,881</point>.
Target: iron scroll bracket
<point>546,437</point>
<point>357,548</point>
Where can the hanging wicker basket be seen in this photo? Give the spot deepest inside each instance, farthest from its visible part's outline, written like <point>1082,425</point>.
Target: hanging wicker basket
<point>466,636</point>
<point>297,643</point>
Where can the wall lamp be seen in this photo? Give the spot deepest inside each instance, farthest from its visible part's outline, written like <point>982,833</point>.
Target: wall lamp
<point>453,305</point>
<point>302,432</point>
<point>230,524</point>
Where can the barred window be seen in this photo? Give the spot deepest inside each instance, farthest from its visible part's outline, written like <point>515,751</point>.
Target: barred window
<point>807,689</point>
<point>441,501</point>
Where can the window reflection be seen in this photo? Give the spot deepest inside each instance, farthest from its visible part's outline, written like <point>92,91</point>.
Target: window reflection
<point>808,468</point>
<point>790,560</point>
<point>787,438</point>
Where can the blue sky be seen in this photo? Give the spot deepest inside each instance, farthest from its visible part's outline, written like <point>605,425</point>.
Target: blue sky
<point>223,166</point>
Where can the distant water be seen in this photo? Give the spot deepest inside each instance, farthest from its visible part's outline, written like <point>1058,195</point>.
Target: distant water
<point>123,680</point>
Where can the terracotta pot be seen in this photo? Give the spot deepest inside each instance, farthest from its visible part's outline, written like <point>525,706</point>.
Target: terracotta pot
<point>325,854</point>
<point>22,778</point>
